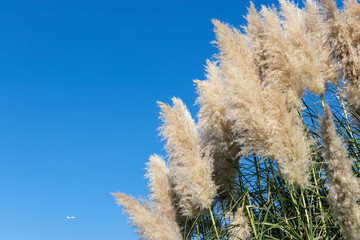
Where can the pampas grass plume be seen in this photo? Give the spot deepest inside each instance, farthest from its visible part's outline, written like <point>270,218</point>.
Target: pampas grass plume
<point>281,70</point>
<point>215,128</point>
<point>161,191</point>
<point>304,54</point>
<point>343,33</point>
<point>344,186</point>
<point>245,107</point>
<point>149,225</point>
<point>240,227</point>
<point>316,34</point>
<point>190,167</point>
<point>262,119</point>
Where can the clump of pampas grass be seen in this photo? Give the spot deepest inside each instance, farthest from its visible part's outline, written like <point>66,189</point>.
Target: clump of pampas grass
<point>259,143</point>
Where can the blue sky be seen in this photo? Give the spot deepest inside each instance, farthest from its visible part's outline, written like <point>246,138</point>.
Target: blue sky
<point>79,82</point>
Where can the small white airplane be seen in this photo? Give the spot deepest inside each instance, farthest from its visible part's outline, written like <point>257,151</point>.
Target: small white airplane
<point>70,217</point>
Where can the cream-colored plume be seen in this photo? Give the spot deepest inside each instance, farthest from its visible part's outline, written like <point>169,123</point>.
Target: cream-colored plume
<point>316,34</point>
<point>279,68</point>
<point>162,195</point>
<point>343,36</point>
<point>244,102</point>
<point>149,225</point>
<point>261,118</point>
<point>288,143</point>
<point>255,37</point>
<point>190,167</point>
<point>303,52</point>
<point>274,56</point>
<point>351,63</point>
<point>215,128</point>
<point>343,185</point>
<point>240,227</point>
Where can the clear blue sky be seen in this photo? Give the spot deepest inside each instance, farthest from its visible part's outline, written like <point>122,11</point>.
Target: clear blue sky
<point>79,82</point>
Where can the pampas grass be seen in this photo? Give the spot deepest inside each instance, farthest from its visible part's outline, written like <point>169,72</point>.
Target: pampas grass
<point>162,195</point>
<point>304,52</point>
<point>344,186</point>
<point>150,226</point>
<point>274,152</point>
<point>343,36</point>
<point>263,117</point>
<point>190,166</point>
<point>215,128</point>
<point>240,226</point>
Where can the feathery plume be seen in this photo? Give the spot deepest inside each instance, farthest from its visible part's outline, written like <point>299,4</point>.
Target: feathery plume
<point>343,185</point>
<point>261,119</point>
<point>352,16</point>
<point>343,36</point>
<point>149,225</point>
<point>303,53</point>
<point>190,167</point>
<point>255,37</point>
<point>351,62</point>
<point>215,128</point>
<point>283,91</point>
<point>288,143</point>
<point>316,35</point>
<point>241,229</point>
<point>279,70</point>
<point>161,191</point>
<point>244,97</point>
<point>352,21</point>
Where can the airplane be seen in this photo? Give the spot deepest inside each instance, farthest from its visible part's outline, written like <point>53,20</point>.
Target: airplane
<point>70,217</point>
